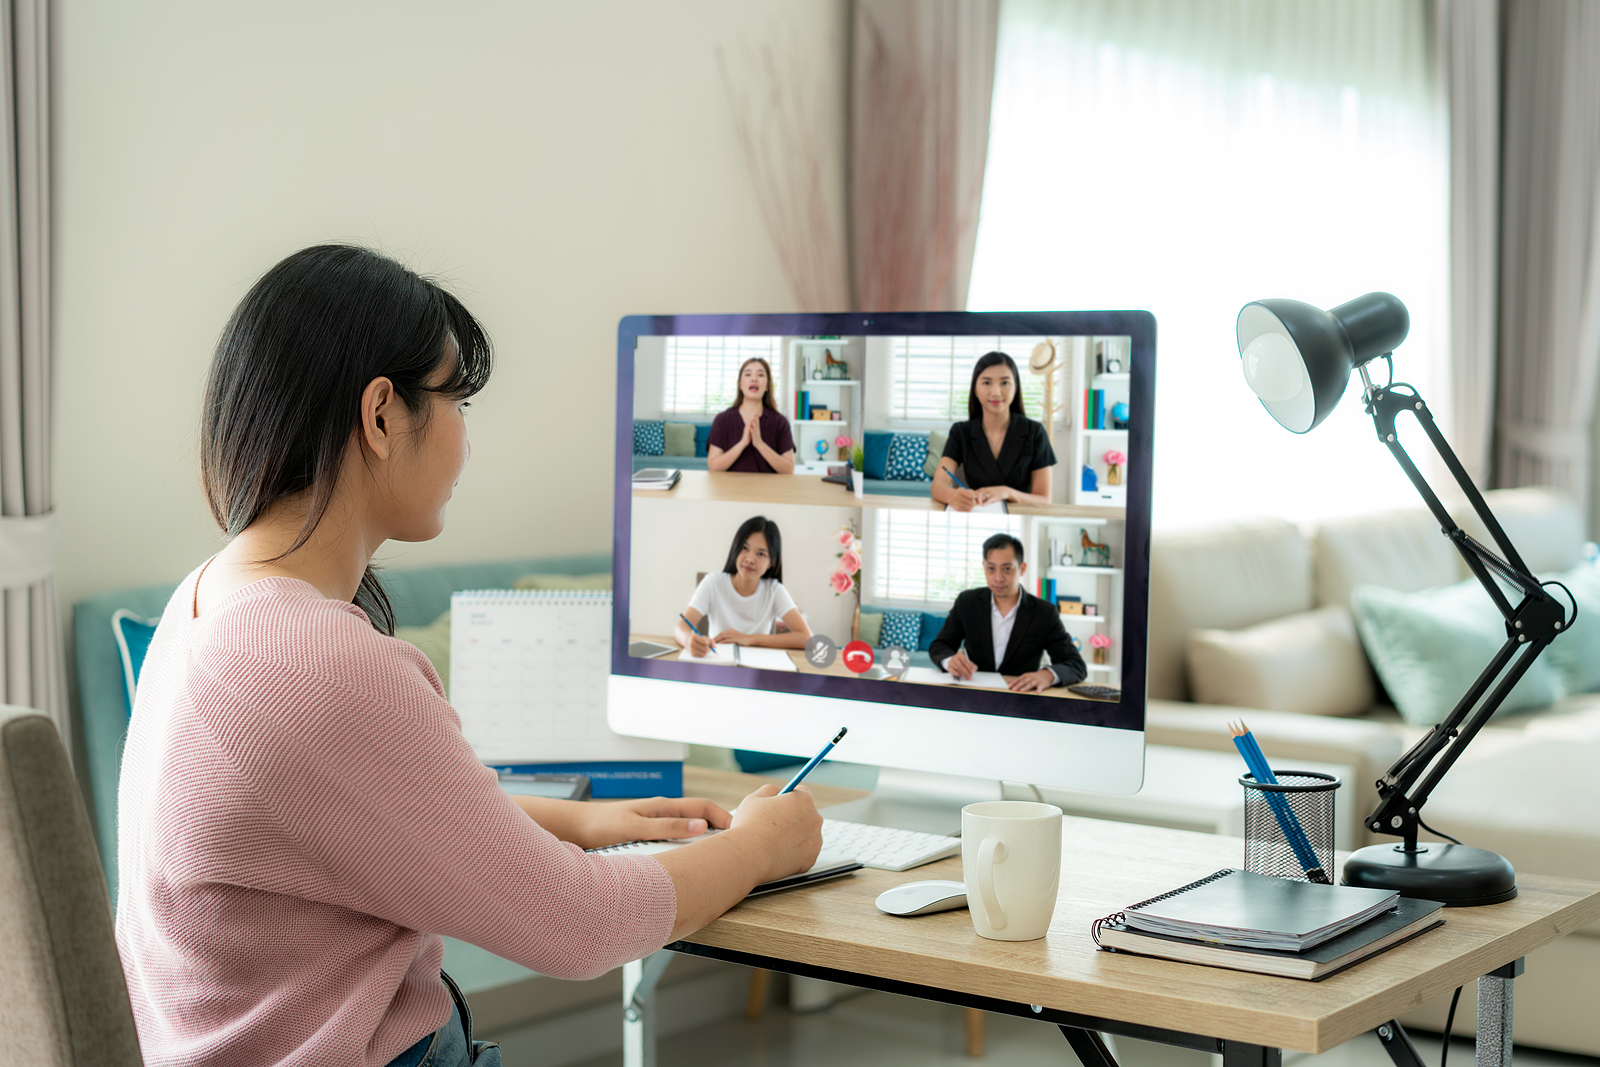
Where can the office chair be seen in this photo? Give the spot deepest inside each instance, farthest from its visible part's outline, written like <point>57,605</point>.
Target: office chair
<point>63,1000</point>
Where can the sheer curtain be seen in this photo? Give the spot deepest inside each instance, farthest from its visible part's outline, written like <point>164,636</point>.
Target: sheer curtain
<point>1188,156</point>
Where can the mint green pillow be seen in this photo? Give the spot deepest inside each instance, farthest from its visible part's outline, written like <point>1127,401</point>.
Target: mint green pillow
<point>1428,647</point>
<point>936,442</point>
<point>871,627</point>
<point>680,439</point>
<point>563,581</point>
<point>1575,655</point>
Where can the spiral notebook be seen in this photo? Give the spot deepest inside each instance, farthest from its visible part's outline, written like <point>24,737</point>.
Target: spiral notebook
<point>1248,910</point>
<point>529,671</point>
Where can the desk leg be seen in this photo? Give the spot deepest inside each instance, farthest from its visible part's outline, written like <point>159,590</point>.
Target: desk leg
<point>1239,1054</point>
<point>639,1008</point>
<point>1090,1047</point>
<point>1494,1015</point>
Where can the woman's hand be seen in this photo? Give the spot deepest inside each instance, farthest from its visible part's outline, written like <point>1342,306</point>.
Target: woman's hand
<point>752,430</point>
<point>991,493</point>
<point>652,819</point>
<point>734,637</point>
<point>1032,682</point>
<point>700,645</point>
<point>963,499</point>
<point>787,828</point>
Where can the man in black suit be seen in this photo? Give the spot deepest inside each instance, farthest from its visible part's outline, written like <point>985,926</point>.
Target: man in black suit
<point>1004,616</point>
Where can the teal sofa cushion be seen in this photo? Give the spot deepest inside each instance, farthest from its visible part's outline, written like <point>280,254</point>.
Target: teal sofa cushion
<point>1428,647</point>
<point>1575,655</point>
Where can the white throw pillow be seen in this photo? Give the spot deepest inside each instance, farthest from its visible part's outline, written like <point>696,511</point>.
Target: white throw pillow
<point>1310,662</point>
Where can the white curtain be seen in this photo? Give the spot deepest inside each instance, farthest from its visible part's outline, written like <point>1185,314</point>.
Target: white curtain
<point>1467,50</point>
<point>32,672</point>
<point>1550,260</point>
<point>1188,156</point>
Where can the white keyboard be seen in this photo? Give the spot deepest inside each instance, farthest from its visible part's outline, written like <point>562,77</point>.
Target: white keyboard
<point>884,847</point>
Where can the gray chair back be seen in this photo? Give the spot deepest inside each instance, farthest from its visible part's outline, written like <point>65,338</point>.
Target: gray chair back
<point>63,1000</point>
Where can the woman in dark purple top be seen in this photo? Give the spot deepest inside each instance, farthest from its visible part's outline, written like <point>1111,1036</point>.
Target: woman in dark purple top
<point>751,435</point>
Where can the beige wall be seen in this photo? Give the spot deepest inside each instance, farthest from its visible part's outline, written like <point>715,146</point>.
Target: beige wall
<point>562,164</point>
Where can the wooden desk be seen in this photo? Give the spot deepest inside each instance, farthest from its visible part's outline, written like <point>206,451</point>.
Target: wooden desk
<point>833,931</point>
<point>746,488</point>
<point>837,669</point>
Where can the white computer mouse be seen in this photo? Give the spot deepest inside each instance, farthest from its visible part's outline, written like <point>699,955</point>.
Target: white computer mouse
<point>922,898</point>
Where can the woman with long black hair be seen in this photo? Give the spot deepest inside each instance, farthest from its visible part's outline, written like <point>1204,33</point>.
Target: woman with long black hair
<point>299,817</point>
<point>998,453</point>
<point>751,435</point>
<point>743,603</point>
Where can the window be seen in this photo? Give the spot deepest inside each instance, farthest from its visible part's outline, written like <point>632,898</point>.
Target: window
<point>702,372</point>
<point>930,377</point>
<point>1189,156</point>
<point>919,555</point>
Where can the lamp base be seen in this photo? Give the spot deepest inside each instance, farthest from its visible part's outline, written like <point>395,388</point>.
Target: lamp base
<point>1459,876</point>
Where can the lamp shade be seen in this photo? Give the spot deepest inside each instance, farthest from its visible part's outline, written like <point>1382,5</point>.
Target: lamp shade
<point>1297,358</point>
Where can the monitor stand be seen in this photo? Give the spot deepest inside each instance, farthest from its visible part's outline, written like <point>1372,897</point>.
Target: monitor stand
<point>917,800</point>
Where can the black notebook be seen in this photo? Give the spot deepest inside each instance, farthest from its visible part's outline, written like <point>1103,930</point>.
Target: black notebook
<point>1405,920</point>
<point>1248,910</point>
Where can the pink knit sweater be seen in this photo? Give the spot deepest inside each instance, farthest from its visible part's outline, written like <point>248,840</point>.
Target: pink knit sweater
<point>300,820</point>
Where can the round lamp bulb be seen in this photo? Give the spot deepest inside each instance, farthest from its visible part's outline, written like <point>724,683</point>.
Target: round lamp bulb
<point>1272,368</point>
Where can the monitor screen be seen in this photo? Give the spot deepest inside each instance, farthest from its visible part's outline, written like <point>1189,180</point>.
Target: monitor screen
<point>932,528</point>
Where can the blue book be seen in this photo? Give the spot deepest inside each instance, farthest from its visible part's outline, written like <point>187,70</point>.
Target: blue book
<point>613,779</point>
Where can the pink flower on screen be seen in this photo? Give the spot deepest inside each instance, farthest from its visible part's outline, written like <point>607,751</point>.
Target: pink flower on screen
<point>1114,458</point>
<point>1100,641</point>
<point>845,537</point>
<point>850,561</point>
<point>841,582</point>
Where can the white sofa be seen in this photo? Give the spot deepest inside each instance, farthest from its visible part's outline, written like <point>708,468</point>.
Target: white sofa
<point>1526,787</point>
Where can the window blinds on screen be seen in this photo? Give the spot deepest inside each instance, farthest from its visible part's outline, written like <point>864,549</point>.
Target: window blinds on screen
<point>702,372</point>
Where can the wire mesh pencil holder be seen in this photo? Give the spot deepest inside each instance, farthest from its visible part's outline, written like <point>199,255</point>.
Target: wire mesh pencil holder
<point>1288,827</point>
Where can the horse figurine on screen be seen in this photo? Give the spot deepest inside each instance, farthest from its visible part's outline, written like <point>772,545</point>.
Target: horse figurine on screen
<point>1095,554</point>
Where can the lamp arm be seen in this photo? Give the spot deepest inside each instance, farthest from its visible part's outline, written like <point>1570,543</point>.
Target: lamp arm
<point>1530,625</point>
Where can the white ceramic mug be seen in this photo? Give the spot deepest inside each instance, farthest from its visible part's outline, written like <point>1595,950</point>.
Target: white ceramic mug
<point>1011,864</point>
<point>858,482</point>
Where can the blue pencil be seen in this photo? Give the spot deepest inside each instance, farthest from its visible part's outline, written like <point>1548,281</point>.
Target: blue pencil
<point>953,478</point>
<point>808,768</point>
<point>1256,761</point>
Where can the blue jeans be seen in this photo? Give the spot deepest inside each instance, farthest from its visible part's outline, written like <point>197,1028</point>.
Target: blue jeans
<point>451,1045</point>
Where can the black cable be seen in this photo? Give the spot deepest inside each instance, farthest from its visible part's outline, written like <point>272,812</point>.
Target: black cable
<point>1570,598</point>
<point>1436,833</point>
<point>1449,1021</point>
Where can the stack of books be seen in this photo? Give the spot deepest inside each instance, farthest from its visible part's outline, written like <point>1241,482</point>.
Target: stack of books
<point>656,478</point>
<point>1251,922</point>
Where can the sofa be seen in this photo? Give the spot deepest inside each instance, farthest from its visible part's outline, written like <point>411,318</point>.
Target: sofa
<point>666,443</point>
<point>1522,789</point>
<point>1254,620</point>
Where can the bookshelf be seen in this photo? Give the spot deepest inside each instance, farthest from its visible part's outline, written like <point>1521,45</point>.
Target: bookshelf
<point>1095,395</point>
<point>1051,538</point>
<point>805,359</point>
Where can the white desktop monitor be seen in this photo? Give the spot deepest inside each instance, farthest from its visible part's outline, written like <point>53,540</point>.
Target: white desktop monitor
<point>897,385</point>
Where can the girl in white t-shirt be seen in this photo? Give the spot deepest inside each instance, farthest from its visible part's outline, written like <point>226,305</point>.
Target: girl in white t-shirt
<point>741,603</point>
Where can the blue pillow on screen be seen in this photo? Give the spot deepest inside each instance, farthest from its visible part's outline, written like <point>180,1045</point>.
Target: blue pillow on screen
<point>702,439</point>
<point>907,455</point>
<point>875,453</point>
<point>133,636</point>
<point>931,625</point>
<point>900,628</point>
<point>649,437</point>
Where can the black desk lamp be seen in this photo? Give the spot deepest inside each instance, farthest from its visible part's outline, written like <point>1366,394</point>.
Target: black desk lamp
<point>1297,359</point>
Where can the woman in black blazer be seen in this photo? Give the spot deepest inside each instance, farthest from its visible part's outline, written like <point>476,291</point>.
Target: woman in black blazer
<point>998,452</point>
